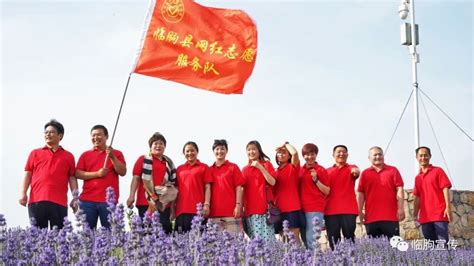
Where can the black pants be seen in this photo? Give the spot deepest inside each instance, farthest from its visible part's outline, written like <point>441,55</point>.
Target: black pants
<point>184,221</point>
<point>47,211</point>
<point>336,223</point>
<point>142,210</point>
<point>436,231</point>
<point>164,217</point>
<point>383,228</point>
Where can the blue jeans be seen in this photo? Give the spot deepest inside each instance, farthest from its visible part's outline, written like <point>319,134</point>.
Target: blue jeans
<point>95,210</point>
<point>309,227</point>
<point>435,231</point>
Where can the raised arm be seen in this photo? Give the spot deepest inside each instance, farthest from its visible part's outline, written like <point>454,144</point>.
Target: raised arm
<point>295,160</point>
<point>83,175</point>
<point>268,177</point>
<point>119,167</point>
<point>323,188</point>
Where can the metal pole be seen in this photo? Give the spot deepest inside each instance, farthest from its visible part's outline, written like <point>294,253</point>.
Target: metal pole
<point>118,118</point>
<point>414,60</point>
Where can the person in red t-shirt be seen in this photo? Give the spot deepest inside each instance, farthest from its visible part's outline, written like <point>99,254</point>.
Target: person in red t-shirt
<point>157,145</point>
<point>381,191</point>
<point>226,188</point>
<point>48,171</point>
<point>259,175</point>
<point>314,187</point>
<point>432,205</point>
<point>98,178</point>
<point>194,185</point>
<point>286,190</point>
<point>341,205</point>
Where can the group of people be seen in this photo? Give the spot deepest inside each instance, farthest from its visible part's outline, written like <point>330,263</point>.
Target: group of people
<point>230,196</point>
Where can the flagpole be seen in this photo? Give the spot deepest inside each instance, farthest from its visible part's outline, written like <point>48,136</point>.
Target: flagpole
<point>118,118</point>
<point>132,69</point>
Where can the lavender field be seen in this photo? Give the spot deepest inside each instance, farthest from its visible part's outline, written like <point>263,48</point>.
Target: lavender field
<point>147,244</point>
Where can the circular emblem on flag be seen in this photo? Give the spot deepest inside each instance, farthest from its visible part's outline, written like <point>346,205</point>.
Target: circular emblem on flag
<point>172,10</point>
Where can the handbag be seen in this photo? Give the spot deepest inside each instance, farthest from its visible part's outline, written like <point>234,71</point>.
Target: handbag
<point>167,191</point>
<point>273,212</point>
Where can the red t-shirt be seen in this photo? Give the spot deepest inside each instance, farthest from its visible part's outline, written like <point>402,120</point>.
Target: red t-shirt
<point>312,199</point>
<point>255,200</point>
<point>50,172</point>
<point>191,180</point>
<point>341,198</point>
<point>380,189</point>
<point>429,188</point>
<point>286,189</point>
<point>95,189</point>
<point>158,172</point>
<point>225,179</point>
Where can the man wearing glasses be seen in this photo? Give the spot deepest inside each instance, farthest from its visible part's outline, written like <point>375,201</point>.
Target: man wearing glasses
<point>48,171</point>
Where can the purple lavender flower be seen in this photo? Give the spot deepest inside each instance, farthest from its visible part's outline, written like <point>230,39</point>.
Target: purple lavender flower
<point>316,236</point>
<point>9,252</point>
<point>47,254</point>
<point>118,227</point>
<point>110,198</point>
<point>32,221</point>
<point>198,219</point>
<point>133,248</point>
<point>140,246</point>
<point>156,227</point>
<point>180,250</point>
<point>64,243</point>
<point>129,214</point>
<point>85,261</point>
<point>3,233</point>
<point>226,253</point>
<point>147,223</point>
<point>63,248</point>
<point>111,203</point>
<point>3,227</point>
<point>81,219</point>
<point>194,236</point>
<point>102,246</point>
<point>86,237</point>
<point>113,261</point>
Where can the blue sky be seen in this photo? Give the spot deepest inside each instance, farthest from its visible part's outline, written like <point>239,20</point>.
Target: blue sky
<point>327,72</point>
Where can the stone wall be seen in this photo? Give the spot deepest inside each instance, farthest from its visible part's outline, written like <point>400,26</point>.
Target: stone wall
<point>461,227</point>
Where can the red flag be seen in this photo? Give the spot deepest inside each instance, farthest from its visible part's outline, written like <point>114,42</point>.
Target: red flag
<point>207,48</point>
